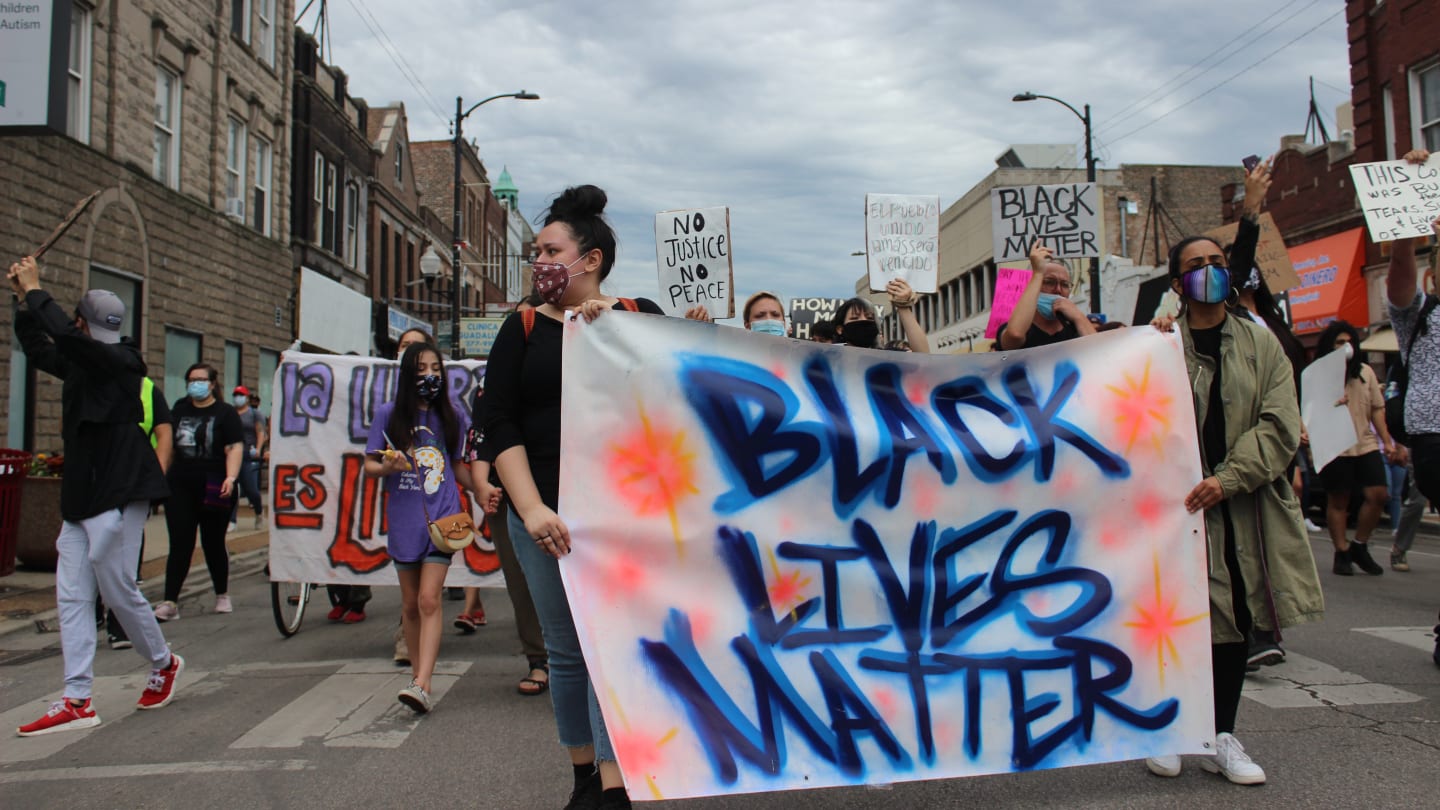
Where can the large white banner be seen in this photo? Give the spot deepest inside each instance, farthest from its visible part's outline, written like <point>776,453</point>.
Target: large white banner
<point>327,518</point>
<point>800,566</point>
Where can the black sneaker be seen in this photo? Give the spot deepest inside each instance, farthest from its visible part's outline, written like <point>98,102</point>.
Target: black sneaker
<point>1342,565</point>
<point>1264,652</point>
<point>586,795</point>
<point>1360,555</point>
<point>119,642</point>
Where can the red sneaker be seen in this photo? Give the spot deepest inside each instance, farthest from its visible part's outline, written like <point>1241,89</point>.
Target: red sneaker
<point>161,686</point>
<point>336,613</point>
<point>62,716</point>
<point>353,617</point>
<point>478,617</point>
<point>465,623</point>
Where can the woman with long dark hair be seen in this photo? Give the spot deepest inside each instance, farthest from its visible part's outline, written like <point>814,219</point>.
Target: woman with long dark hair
<point>415,444</point>
<point>522,433</point>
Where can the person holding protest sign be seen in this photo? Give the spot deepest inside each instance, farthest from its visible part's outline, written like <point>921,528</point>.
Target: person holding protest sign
<point>522,429</point>
<point>415,445</point>
<point>1360,468</point>
<point>1044,314</point>
<point>855,321</point>
<point>1262,574</point>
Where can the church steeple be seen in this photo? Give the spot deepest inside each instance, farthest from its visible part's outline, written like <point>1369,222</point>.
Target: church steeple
<point>505,190</point>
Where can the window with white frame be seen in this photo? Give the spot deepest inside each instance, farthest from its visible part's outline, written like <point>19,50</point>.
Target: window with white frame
<point>317,181</point>
<point>1425,106</point>
<point>236,141</point>
<point>77,120</point>
<point>352,223</point>
<point>265,31</point>
<point>240,19</point>
<point>399,165</point>
<point>260,210</point>
<point>329,241</point>
<point>167,126</point>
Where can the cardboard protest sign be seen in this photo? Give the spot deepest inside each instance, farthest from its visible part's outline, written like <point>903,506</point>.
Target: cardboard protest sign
<point>1331,429</point>
<point>1009,286</point>
<point>1271,255</point>
<point>1064,217</point>
<point>902,240</point>
<point>1400,199</point>
<point>692,249</point>
<point>800,566</point>
<point>327,518</point>
<point>806,312</point>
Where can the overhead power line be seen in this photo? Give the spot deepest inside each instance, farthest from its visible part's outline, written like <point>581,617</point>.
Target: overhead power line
<point>377,31</point>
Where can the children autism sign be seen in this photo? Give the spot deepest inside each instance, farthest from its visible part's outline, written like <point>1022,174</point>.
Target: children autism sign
<point>1400,198</point>
<point>902,240</point>
<point>692,251</point>
<point>1064,217</point>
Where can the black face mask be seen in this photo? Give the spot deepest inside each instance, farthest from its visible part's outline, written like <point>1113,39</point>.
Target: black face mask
<point>860,334</point>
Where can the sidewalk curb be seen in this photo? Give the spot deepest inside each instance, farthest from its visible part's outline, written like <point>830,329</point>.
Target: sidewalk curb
<point>242,564</point>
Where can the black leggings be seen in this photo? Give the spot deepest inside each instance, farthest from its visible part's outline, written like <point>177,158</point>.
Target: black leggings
<point>1228,660</point>
<point>184,512</point>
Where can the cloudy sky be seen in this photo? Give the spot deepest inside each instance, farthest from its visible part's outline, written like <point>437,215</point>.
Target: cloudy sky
<point>790,112</point>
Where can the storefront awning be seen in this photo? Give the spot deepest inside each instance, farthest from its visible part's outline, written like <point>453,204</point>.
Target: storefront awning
<point>1332,282</point>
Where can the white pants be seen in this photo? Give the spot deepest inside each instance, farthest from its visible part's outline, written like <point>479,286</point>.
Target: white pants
<point>103,553</point>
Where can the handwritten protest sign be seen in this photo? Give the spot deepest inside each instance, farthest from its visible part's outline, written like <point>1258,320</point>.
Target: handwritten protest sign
<point>692,249</point>
<point>1400,199</point>
<point>1271,255</point>
<point>1064,217</point>
<point>902,240</point>
<point>327,522</point>
<point>1009,286</point>
<point>1331,429</point>
<point>806,312</point>
<point>799,566</point>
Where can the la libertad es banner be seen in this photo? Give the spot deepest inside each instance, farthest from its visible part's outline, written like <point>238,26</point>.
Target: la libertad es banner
<point>327,518</point>
<point>800,566</point>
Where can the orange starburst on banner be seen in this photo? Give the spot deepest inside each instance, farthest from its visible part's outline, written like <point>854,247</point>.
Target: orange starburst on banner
<point>639,751</point>
<point>1157,625</point>
<point>1141,412</point>
<point>653,470</point>
<point>789,590</point>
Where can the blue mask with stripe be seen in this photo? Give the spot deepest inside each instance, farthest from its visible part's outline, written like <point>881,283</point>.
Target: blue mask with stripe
<point>1208,285</point>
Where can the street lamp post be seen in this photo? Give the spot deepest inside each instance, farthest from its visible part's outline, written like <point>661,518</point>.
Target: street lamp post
<point>455,220</point>
<point>1089,177</point>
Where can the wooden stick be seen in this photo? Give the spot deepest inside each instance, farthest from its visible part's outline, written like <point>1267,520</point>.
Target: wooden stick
<point>65,224</point>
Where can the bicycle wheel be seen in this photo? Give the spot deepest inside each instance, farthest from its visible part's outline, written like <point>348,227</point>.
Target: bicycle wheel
<point>287,601</point>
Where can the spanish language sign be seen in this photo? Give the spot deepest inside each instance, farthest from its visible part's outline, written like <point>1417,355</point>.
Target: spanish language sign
<point>902,240</point>
<point>1064,217</point>
<point>806,312</point>
<point>327,521</point>
<point>692,249</point>
<point>477,335</point>
<point>1400,199</point>
<point>1009,286</point>
<point>800,566</point>
<point>1271,255</point>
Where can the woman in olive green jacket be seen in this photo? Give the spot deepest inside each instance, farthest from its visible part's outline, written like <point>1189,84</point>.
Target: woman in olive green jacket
<point>1262,574</point>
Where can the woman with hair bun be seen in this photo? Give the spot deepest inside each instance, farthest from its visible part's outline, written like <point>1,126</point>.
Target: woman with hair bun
<point>522,434</point>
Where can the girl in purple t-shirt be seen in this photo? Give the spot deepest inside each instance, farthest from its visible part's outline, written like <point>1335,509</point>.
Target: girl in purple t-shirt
<point>415,445</point>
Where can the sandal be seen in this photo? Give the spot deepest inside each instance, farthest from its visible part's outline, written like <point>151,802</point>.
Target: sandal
<point>534,687</point>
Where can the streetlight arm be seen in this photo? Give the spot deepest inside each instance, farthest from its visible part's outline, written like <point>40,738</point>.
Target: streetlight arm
<point>1030,96</point>
<point>522,95</point>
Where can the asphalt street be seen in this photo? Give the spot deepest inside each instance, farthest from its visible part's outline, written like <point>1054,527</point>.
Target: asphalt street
<point>1351,720</point>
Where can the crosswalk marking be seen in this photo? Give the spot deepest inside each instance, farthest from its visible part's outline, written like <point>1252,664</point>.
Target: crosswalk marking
<point>154,769</point>
<point>1303,682</point>
<point>353,708</point>
<point>1421,638</point>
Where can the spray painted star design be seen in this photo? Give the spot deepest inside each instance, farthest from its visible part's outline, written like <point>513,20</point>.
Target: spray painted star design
<point>1157,625</point>
<point>1140,411</point>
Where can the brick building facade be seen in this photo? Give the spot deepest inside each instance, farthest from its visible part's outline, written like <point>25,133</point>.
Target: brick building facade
<point>179,116</point>
<point>482,219</point>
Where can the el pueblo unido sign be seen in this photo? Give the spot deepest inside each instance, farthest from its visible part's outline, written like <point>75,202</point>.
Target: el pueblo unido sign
<point>902,240</point>
<point>692,251</point>
<point>1400,199</point>
<point>1064,217</point>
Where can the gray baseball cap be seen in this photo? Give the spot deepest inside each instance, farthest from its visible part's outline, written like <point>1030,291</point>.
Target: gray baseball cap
<point>104,312</point>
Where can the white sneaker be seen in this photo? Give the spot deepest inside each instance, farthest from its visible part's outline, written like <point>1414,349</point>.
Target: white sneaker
<point>167,612</point>
<point>1167,765</point>
<point>415,697</point>
<point>1310,526</point>
<point>1231,761</point>
<point>222,604</point>
<point>233,526</point>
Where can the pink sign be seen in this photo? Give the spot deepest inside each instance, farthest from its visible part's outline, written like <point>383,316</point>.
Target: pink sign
<point>1009,286</point>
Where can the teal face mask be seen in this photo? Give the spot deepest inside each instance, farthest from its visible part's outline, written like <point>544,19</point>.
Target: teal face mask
<point>198,389</point>
<point>1045,305</point>
<point>768,327</point>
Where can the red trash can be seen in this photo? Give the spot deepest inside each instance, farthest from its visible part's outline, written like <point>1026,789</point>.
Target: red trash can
<point>13,466</point>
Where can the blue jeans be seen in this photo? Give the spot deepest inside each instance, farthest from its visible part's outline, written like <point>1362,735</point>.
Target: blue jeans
<point>1395,473</point>
<point>577,713</point>
<point>249,483</point>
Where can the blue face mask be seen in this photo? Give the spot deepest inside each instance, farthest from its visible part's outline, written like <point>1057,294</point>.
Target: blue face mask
<point>768,327</point>
<point>1045,305</point>
<point>198,389</point>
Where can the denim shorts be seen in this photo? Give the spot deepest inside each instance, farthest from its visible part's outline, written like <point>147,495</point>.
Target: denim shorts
<point>433,557</point>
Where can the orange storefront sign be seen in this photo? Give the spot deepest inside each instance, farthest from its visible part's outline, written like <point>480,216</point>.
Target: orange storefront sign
<point>1332,284</point>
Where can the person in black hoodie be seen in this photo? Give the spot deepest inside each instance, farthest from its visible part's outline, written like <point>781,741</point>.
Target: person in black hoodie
<point>111,476</point>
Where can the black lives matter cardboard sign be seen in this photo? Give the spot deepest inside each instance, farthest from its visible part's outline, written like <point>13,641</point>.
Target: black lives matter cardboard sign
<point>1065,217</point>
<point>692,251</point>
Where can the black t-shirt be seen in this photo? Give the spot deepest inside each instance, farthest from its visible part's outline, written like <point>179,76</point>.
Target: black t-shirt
<point>1212,433</point>
<point>522,395</point>
<point>1039,337</point>
<point>201,436</point>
